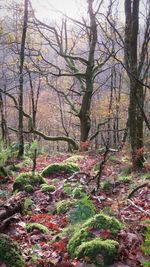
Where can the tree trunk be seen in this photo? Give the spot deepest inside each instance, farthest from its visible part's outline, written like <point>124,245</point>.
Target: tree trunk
<point>84,115</point>
<point>3,121</point>
<point>21,81</point>
<point>136,89</point>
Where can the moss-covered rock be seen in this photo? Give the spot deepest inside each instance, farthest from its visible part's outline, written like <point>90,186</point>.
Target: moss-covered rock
<point>27,178</point>
<point>10,253</point>
<point>99,221</point>
<point>78,238</point>
<point>59,167</point>
<point>29,188</point>
<point>27,206</point>
<point>63,206</point>
<point>103,221</point>
<point>100,252</point>
<point>48,188</point>
<point>74,158</point>
<point>31,226</point>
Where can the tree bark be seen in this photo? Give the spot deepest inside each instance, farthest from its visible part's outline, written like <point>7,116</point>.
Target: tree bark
<point>136,89</point>
<point>3,121</point>
<point>84,114</point>
<point>21,80</point>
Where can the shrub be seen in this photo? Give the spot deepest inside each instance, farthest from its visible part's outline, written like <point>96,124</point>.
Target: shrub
<point>10,253</point>
<point>83,210</point>
<point>58,167</point>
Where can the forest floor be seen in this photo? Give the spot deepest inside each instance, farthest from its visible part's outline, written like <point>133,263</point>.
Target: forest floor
<point>117,182</point>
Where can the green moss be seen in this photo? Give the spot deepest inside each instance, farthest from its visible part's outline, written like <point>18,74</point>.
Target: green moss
<point>74,158</point>
<point>80,236</point>
<point>103,221</point>
<point>48,188</point>
<point>25,163</point>
<point>31,226</point>
<point>82,210</point>
<point>55,180</point>
<point>3,171</point>
<point>10,253</point>
<point>106,185</point>
<point>67,189</point>
<point>145,175</point>
<point>63,206</point>
<point>113,158</point>
<point>96,167</point>
<point>27,205</point>
<point>126,171</point>
<point>29,188</point>
<point>27,178</point>
<point>58,167</point>
<point>100,252</point>
<point>125,179</point>
<point>77,192</point>
<point>99,221</point>
<point>146,245</point>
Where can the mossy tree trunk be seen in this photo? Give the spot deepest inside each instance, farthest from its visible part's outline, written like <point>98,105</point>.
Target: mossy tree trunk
<point>136,89</point>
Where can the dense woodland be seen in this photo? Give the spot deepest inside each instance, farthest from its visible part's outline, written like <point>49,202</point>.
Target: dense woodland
<point>74,135</point>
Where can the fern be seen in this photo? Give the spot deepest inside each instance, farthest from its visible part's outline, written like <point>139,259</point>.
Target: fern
<point>83,210</point>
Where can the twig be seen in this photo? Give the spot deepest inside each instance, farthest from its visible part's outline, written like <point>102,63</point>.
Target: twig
<point>137,207</point>
<point>137,188</point>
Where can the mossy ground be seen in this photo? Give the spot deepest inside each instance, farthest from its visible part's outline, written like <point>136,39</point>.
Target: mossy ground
<point>10,253</point>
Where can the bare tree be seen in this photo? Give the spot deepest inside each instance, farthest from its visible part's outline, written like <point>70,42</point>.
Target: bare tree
<point>84,66</point>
